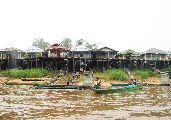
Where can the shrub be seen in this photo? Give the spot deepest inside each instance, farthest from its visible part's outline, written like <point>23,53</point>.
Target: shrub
<point>145,73</point>
<point>117,74</point>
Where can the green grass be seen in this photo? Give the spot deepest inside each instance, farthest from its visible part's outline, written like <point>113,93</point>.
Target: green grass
<point>145,73</point>
<point>112,74</point>
<point>15,73</point>
<point>119,74</point>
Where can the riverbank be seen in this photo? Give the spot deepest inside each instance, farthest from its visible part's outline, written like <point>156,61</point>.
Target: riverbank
<point>108,76</point>
<point>106,83</point>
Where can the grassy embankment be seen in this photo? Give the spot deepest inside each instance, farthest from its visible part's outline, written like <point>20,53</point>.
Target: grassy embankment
<point>108,75</point>
<point>112,74</point>
<point>27,73</point>
<point>145,74</point>
<point>120,75</point>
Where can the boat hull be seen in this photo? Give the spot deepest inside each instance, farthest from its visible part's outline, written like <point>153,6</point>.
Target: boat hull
<point>56,86</point>
<point>118,90</point>
<point>50,85</point>
<point>60,87</point>
<point>18,83</point>
<point>119,84</point>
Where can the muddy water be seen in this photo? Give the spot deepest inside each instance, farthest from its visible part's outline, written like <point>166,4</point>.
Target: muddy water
<point>24,102</point>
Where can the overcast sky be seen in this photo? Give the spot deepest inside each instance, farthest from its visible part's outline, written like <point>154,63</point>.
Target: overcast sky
<point>118,24</point>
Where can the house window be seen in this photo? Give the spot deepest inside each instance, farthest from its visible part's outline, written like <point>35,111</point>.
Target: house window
<point>81,55</point>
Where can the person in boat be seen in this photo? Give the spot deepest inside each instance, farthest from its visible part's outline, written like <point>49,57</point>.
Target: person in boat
<point>68,83</point>
<point>98,84</point>
<point>134,81</point>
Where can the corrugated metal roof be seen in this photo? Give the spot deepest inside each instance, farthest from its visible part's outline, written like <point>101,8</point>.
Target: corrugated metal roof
<point>80,48</point>
<point>101,49</point>
<point>11,49</point>
<point>155,51</point>
<point>34,49</point>
<point>130,51</point>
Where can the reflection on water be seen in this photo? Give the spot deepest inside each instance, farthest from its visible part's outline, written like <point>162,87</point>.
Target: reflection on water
<point>24,102</point>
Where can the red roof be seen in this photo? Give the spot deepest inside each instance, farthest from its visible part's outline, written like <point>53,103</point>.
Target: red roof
<point>57,47</point>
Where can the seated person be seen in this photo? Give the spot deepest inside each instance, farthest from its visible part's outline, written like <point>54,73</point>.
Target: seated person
<point>134,82</point>
<point>98,84</point>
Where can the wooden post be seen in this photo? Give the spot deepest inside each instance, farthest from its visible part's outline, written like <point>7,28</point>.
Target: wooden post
<point>36,62</point>
<point>31,64</point>
<point>73,61</point>
<point>42,65</point>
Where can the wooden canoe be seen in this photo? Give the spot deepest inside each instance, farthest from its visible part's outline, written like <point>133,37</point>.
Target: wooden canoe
<point>32,79</point>
<point>120,84</point>
<point>50,85</point>
<point>60,87</point>
<point>118,90</point>
<point>19,83</point>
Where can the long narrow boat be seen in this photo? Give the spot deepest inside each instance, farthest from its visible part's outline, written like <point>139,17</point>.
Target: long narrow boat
<point>49,85</point>
<point>128,88</point>
<point>60,87</point>
<point>19,83</point>
<point>120,84</point>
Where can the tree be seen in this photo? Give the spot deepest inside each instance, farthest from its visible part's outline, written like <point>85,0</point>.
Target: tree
<point>40,43</point>
<point>80,42</point>
<point>67,42</point>
<point>91,46</point>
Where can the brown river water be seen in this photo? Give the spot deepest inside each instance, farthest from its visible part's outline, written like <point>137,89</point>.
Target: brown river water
<point>25,102</point>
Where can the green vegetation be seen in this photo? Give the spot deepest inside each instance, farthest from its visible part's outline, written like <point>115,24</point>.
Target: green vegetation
<point>113,74</point>
<point>15,73</point>
<point>145,73</point>
<point>109,74</point>
<point>119,74</point>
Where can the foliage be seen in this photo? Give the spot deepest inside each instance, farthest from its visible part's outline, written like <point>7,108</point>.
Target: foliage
<point>40,43</point>
<point>145,73</point>
<point>15,73</point>
<point>82,42</point>
<point>91,46</point>
<point>67,42</point>
<point>117,74</point>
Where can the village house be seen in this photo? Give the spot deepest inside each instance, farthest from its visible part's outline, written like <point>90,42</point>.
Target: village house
<point>169,56</point>
<point>80,52</point>
<point>11,53</point>
<point>82,56</point>
<point>34,52</point>
<point>129,54</point>
<point>104,53</point>
<point>79,55</point>
<point>154,54</point>
<point>57,51</point>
